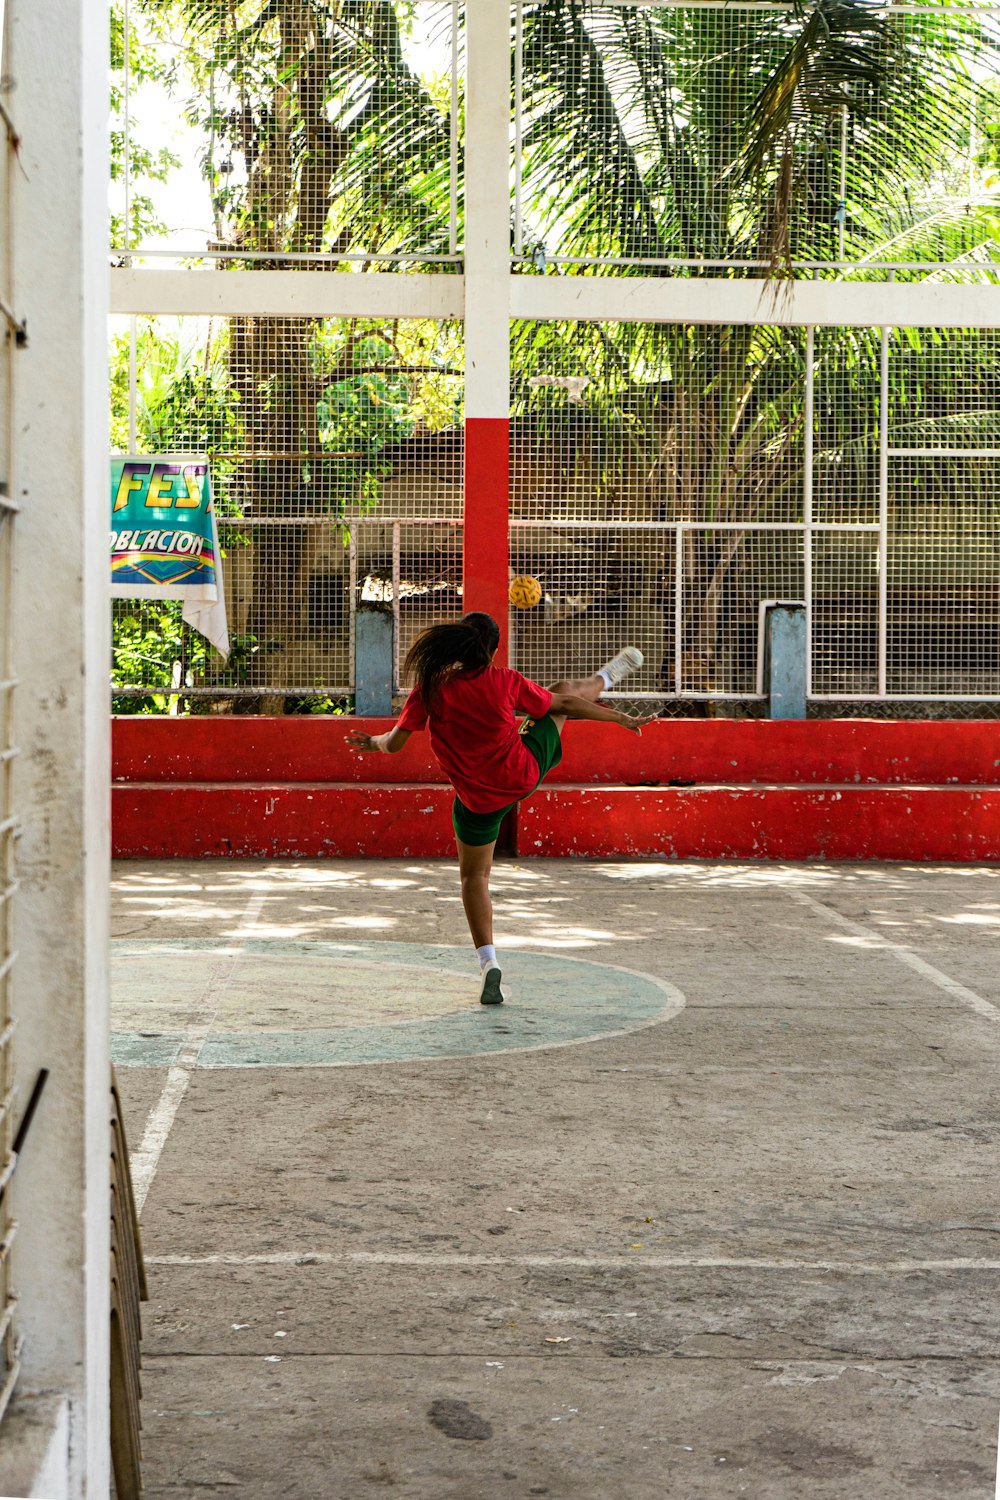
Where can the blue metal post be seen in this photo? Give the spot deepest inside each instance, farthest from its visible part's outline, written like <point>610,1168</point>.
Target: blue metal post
<point>373,661</point>
<point>785,660</point>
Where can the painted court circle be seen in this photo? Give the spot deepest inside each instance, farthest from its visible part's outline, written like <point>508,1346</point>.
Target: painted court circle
<point>274,1003</point>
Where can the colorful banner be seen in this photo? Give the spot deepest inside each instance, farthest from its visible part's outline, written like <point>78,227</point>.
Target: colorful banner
<point>164,539</point>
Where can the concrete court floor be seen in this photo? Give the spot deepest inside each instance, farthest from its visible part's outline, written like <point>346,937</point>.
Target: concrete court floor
<point>750,1248</point>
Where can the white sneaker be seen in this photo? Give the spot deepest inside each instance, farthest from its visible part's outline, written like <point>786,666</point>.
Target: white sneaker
<point>491,993</point>
<point>628,660</point>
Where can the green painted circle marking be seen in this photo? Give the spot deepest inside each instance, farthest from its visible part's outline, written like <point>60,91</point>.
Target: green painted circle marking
<point>272,1003</point>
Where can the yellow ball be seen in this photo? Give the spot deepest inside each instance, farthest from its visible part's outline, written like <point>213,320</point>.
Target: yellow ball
<point>524,592</point>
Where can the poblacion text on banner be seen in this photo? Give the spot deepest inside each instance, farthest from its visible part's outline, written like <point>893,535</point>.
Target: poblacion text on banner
<point>165,540</point>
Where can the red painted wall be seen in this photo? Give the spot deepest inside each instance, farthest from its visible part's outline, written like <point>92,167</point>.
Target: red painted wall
<point>708,751</point>
<point>936,823</point>
<point>193,820</point>
<point>843,789</point>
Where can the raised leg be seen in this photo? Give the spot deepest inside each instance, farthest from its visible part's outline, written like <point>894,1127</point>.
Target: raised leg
<point>590,688</point>
<point>475,861</point>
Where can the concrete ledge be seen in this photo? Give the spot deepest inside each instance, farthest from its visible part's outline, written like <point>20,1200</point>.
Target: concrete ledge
<point>845,822</point>
<point>709,751</point>
<point>34,1455</point>
<point>187,820</point>
<point>779,821</point>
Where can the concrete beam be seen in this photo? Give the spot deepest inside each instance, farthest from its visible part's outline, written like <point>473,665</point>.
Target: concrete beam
<point>640,299</point>
<point>832,304</point>
<point>292,294</point>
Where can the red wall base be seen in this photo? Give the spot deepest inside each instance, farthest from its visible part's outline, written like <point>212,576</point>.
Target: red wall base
<point>763,822</point>
<point>191,820</point>
<point>842,789</point>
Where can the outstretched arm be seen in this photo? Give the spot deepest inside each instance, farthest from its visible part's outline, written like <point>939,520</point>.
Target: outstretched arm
<point>389,743</point>
<point>582,708</point>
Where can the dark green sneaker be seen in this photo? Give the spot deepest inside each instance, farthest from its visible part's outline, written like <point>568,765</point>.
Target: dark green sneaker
<point>491,993</point>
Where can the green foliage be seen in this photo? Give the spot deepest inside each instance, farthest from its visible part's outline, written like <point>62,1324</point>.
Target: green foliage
<point>184,402</point>
<point>670,132</point>
<point>146,164</point>
<point>148,637</point>
<point>650,132</point>
<point>322,704</point>
<point>318,134</point>
<point>370,398</point>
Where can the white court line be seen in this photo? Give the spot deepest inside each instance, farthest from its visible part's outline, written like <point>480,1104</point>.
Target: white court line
<point>585,1262</point>
<point>154,1137</point>
<point>906,956</point>
<point>160,1119</point>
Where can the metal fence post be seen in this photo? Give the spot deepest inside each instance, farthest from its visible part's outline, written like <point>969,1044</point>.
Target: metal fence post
<point>784,642</point>
<point>373,660</point>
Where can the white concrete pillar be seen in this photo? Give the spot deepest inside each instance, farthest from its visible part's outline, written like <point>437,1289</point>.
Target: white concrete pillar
<point>487,314</point>
<point>487,209</point>
<point>58,64</point>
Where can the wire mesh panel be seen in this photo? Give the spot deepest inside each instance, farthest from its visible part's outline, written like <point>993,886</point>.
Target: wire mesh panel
<point>747,136</point>
<point>725,576</point>
<point>943,391</point>
<point>943,616</point>
<point>942,465</point>
<point>844,610</point>
<point>699,136</point>
<point>666,481</point>
<point>603,587</point>
<point>416,568</point>
<point>337,462</point>
<point>648,464</point>
<point>304,133</point>
<point>845,426</point>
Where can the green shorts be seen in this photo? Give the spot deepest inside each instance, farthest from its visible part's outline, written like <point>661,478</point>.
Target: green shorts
<point>542,738</point>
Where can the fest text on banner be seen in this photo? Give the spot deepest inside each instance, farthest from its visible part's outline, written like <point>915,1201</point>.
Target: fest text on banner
<point>165,541</point>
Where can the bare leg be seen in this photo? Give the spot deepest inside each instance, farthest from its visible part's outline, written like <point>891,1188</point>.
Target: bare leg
<point>474,864</point>
<point>590,688</point>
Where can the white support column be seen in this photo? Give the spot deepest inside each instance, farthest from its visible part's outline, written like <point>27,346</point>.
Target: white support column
<point>487,309</point>
<point>518,126</point>
<point>487,209</point>
<point>454,102</point>
<point>58,63</point>
<point>883,512</point>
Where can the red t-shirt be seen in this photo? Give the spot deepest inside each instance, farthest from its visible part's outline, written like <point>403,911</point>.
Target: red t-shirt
<point>474,734</point>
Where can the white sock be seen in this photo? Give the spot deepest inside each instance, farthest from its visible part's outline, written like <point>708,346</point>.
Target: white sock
<point>487,954</point>
<point>608,684</point>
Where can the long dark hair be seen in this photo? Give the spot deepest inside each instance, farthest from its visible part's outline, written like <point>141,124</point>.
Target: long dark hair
<point>466,645</point>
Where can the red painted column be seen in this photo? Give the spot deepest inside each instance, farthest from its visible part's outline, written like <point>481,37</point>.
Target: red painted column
<point>485,545</point>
